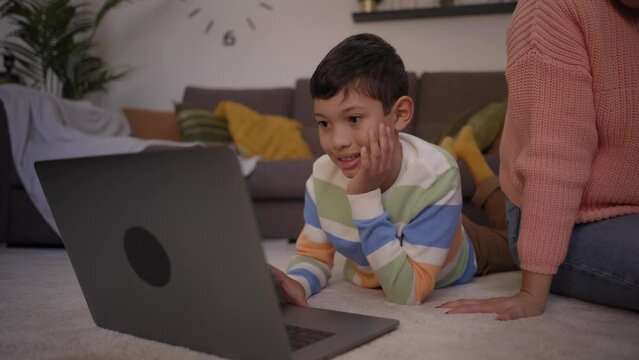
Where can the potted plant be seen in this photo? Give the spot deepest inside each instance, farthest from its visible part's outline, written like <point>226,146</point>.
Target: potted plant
<point>52,42</point>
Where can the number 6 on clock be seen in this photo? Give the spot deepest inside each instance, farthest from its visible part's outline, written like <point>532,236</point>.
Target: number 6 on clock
<point>229,38</point>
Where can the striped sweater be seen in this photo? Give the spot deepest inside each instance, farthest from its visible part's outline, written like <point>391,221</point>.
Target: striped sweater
<point>408,240</point>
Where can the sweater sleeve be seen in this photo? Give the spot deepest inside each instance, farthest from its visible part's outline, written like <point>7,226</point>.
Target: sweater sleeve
<point>407,270</point>
<point>550,133</point>
<point>312,264</point>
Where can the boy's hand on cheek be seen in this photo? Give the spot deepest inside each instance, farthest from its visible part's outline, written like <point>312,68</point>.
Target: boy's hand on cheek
<point>376,161</point>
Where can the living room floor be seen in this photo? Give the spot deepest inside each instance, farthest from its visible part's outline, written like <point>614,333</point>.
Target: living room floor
<point>43,315</point>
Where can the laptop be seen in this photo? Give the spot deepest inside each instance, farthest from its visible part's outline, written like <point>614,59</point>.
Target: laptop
<point>165,246</point>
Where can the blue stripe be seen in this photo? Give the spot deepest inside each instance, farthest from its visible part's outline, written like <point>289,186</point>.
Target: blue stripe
<point>313,281</point>
<point>375,233</point>
<point>471,269</point>
<point>434,226</point>
<point>310,211</point>
<point>352,250</point>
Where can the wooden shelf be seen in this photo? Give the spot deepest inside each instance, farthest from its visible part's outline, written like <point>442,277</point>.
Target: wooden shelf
<point>416,13</point>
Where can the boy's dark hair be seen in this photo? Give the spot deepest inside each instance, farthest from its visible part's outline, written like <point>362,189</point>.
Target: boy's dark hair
<point>364,63</point>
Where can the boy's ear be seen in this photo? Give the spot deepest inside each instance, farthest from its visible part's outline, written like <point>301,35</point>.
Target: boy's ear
<point>404,109</point>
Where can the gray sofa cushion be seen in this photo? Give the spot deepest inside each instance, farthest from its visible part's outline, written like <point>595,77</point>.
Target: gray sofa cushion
<point>303,111</point>
<point>443,96</point>
<point>280,180</point>
<point>266,101</point>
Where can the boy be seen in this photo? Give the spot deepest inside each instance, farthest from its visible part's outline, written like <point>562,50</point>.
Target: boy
<point>389,202</point>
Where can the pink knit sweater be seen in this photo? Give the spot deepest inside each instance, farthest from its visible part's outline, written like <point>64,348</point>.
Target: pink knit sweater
<point>570,148</point>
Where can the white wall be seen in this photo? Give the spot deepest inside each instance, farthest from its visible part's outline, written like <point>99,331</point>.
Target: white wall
<point>168,50</point>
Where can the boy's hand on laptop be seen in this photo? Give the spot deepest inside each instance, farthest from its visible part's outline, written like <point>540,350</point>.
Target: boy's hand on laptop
<point>292,291</point>
<point>376,161</point>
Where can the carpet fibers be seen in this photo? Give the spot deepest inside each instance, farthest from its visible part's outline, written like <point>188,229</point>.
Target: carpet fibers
<point>43,315</point>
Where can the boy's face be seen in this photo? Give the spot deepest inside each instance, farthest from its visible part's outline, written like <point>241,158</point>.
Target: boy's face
<point>344,123</point>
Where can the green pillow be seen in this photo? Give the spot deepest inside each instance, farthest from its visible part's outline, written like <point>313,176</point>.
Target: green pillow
<point>201,125</point>
<point>456,124</point>
<point>487,124</point>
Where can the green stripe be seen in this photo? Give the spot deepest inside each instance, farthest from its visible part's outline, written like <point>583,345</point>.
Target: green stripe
<point>207,128</point>
<point>211,143</point>
<point>205,137</point>
<point>297,259</point>
<point>202,131</point>
<point>457,271</point>
<point>203,122</point>
<point>397,279</point>
<point>398,203</point>
<point>201,125</point>
<point>334,204</point>
<point>349,270</point>
<point>404,202</point>
<point>186,112</point>
<point>184,116</point>
<point>206,131</point>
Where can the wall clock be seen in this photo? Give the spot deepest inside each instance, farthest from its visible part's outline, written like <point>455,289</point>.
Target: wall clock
<point>196,12</point>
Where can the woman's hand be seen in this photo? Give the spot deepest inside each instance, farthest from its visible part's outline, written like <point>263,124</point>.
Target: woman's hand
<point>292,291</point>
<point>530,301</point>
<point>376,161</point>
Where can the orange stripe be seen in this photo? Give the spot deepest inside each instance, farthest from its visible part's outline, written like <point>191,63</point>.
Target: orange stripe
<point>367,280</point>
<point>425,275</point>
<point>322,252</point>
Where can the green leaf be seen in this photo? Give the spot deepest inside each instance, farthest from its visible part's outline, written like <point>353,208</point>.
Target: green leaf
<point>53,39</point>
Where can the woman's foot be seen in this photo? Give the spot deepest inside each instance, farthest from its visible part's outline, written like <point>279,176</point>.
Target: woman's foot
<point>467,150</point>
<point>465,144</point>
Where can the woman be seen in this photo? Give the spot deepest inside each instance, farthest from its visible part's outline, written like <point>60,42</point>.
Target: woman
<point>570,155</point>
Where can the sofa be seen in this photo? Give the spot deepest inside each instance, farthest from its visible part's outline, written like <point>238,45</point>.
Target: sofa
<point>276,187</point>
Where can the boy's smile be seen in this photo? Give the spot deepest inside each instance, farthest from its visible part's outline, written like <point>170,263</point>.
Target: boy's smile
<point>344,124</point>
<point>348,162</point>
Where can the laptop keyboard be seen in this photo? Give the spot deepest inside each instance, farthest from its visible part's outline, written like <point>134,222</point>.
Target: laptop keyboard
<point>299,337</point>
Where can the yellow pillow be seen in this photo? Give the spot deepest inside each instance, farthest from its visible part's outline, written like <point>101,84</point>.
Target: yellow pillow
<point>272,137</point>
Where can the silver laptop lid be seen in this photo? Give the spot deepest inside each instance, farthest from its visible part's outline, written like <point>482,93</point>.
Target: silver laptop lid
<point>145,236</point>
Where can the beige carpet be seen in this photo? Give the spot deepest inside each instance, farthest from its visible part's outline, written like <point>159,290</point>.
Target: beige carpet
<point>44,316</point>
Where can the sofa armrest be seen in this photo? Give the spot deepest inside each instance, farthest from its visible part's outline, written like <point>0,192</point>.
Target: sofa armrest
<point>6,168</point>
